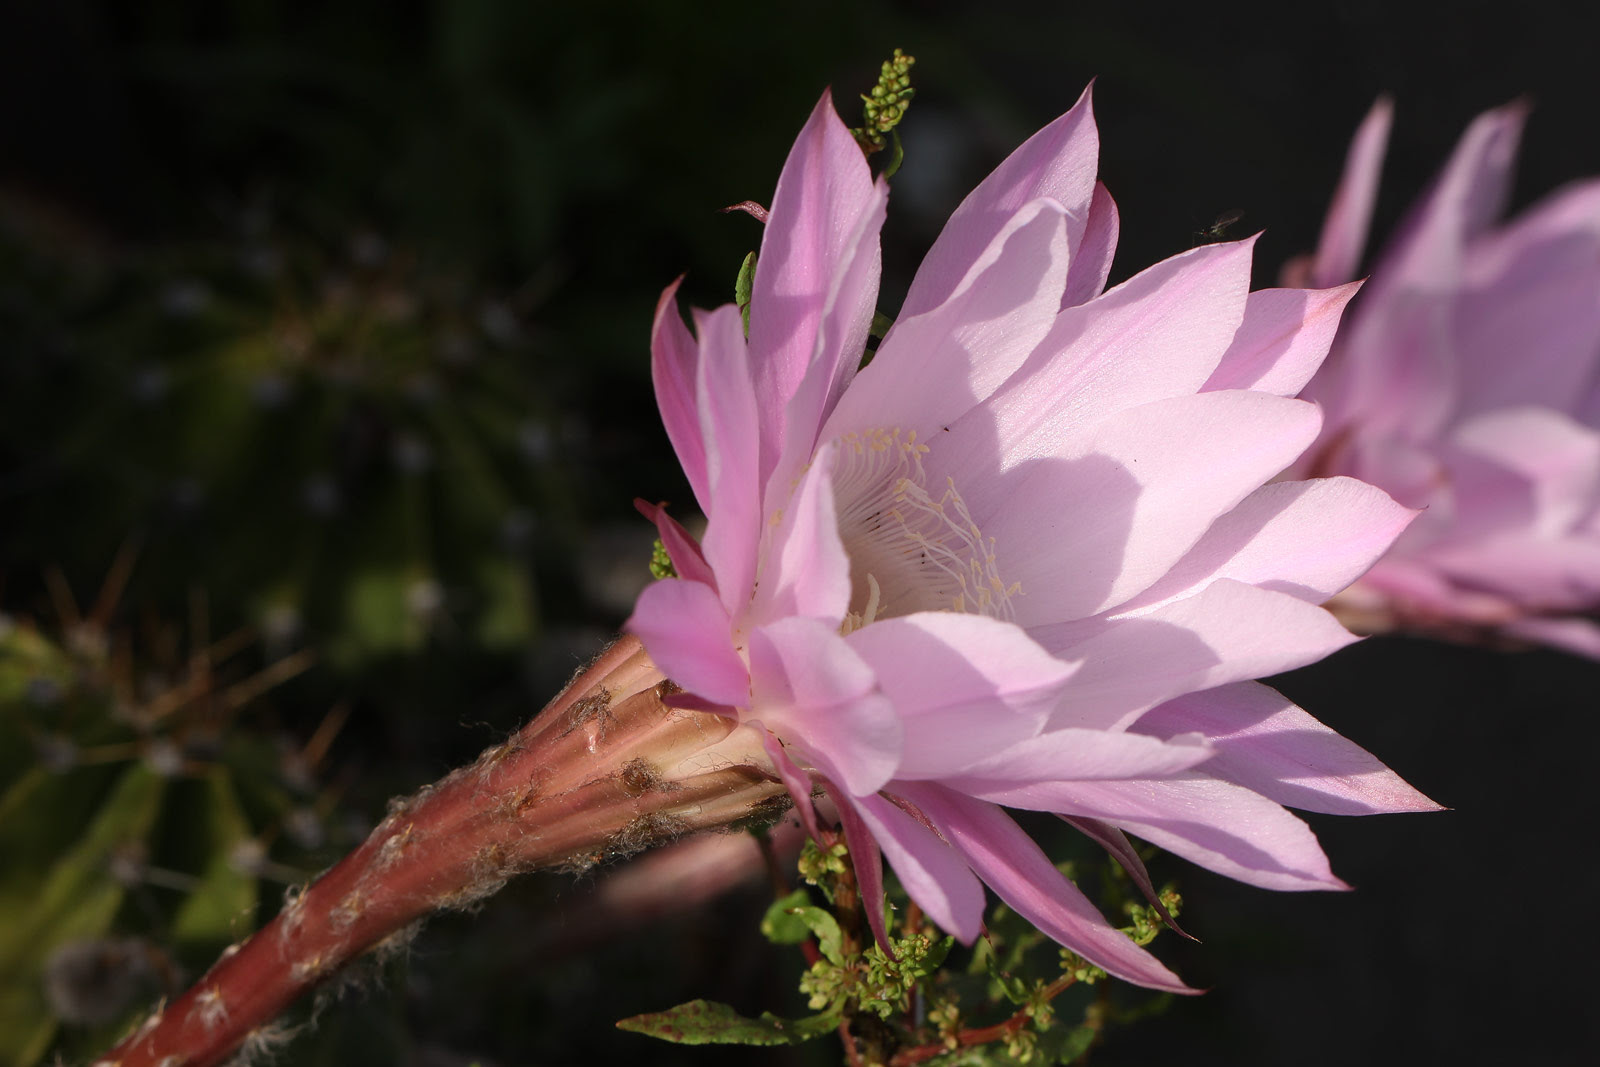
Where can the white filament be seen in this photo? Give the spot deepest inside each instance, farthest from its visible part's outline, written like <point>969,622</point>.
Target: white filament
<point>910,551</point>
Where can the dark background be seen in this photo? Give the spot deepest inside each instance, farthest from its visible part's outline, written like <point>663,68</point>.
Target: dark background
<point>541,171</point>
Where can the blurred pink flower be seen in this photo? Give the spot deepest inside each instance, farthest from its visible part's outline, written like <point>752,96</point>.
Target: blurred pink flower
<point>1464,382</point>
<point>1027,556</point>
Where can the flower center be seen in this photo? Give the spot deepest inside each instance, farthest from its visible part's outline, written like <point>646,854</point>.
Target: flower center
<point>909,550</point>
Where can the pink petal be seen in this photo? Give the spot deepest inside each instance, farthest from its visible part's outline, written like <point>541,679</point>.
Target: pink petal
<point>1058,162</point>
<point>1283,339</point>
<point>1266,744</point>
<point>866,860</point>
<point>685,628</point>
<point>813,232</point>
<point>1113,510</point>
<point>795,780</point>
<point>965,685</point>
<point>1116,843</point>
<point>841,342</point>
<point>1344,232</point>
<point>1020,873</point>
<point>1464,200</point>
<point>1070,755</point>
<point>728,425</point>
<point>805,570</point>
<point>1228,632</point>
<point>682,549</point>
<point>810,688</point>
<point>1579,636</point>
<point>1307,539</point>
<point>1546,575</point>
<point>1157,335</point>
<point>932,873</point>
<point>1530,290</point>
<point>935,366</point>
<point>1221,826</point>
<point>1398,372</point>
<point>1421,590</point>
<point>1091,257</point>
<point>1553,455</point>
<point>674,359</point>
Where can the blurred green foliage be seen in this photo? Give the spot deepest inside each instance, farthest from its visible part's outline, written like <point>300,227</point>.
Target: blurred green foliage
<point>325,328</point>
<point>138,824</point>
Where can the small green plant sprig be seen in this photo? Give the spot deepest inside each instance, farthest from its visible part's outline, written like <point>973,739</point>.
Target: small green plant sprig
<point>884,107</point>
<point>1007,1000</point>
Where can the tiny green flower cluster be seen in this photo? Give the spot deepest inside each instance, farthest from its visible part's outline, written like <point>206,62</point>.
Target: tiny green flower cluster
<point>875,981</point>
<point>819,867</point>
<point>886,104</point>
<point>661,563</point>
<point>1144,923</point>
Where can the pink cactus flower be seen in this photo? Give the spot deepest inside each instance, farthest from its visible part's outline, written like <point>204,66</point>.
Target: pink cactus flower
<point>1028,556</point>
<point>1464,382</point>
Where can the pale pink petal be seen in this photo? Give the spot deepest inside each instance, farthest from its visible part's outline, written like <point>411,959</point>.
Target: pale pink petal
<point>1424,592</point>
<point>935,366</point>
<point>1228,632</point>
<point>1395,371</point>
<point>674,359</point>
<point>813,232</point>
<point>1527,321</point>
<point>1116,508</point>
<point>964,685</point>
<point>1548,576</point>
<point>1058,162</point>
<point>728,422</point>
<point>810,688</point>
<point>1307,539</point>
<point>1409,471</point>
<point>866,859</point>
<point>932,873</point>
<point>1116,843</point>
<point>1091,257</point>
<point>1465,199</point>
<point>1023,876</point>
<point>795,780</point>
<point>1283,339</point>
<point>681,548</point>
<point>841,342</point>
<point>805,570</point>
<point>1072,754</point>
<point>1579,636</point>
<point>1296,272</point>
<point>1557,458</point>
<point>1157,335</point>
<point>1267,744</point>
<point>1221,826</point>
<point>685,628</point>
<point>1396,368</point>
<point>1344,231</point>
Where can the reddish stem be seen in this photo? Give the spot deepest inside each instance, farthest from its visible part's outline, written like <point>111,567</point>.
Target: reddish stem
<point>981,1035</point>
<point>606,769</point>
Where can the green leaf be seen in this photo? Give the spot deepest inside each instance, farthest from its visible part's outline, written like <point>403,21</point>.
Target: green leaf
<point>1012,988</point>
<point>781,925</point>
<point>897,155</point>
<point>825,928</point>
<point>1067,1046</point>
<point>743,286</point>
<point>706,1022</point>
<point>78,899</point>
<point>222,907</point>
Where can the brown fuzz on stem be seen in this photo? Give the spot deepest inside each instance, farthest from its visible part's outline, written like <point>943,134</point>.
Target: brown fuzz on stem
<point>604,770</point>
